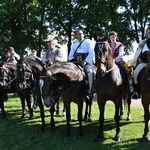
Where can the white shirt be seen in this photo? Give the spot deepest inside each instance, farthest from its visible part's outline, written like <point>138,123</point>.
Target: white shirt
<point>87,46</point>
<point>145,48</point>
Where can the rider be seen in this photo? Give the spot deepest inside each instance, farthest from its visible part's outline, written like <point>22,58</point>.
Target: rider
<point>52,55</point>
<point>139,61</point>
<point>117,49</point>
<point>13,55</point>
<point>83,51</point>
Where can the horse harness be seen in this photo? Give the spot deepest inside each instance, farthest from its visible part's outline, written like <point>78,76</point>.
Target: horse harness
<point>101,45</point>
<point>6,76</point>
<point>26,74</point>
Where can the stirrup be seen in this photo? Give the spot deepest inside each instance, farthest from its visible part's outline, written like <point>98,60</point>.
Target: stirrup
<point>135,96</point>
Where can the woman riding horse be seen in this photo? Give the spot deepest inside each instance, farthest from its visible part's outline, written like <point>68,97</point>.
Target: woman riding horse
<point>110,85</point>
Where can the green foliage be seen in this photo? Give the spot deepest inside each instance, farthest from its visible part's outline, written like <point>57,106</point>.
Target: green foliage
<point>29,24</point>
<point>17,134</point>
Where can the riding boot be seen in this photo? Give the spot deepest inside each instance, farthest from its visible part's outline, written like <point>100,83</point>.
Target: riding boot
<point>90,82</point>
<point>135,95</point>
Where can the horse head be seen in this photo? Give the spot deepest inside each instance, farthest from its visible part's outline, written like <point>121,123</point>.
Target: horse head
<point>48,88</point>
<point>102,52</point>
<point>4,74</point>
<point>23,75</point>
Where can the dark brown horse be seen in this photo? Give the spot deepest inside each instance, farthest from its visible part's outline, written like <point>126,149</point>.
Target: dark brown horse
<point>110,85</point>
<point>144,83</point>
<point>8,85</point>
<point>34,66</point>
<point>74,89</point>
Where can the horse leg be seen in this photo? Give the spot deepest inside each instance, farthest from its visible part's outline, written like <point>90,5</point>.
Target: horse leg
<point>34,106</point>
<point>80,108</point>
<point>101,106</point>
<point>22,105</point>
<point>87,115</point>
<point>57,106</point>
<point>121,108</point>
<point>146,120</point>
<point>28,100</point>
<point>68,117</point>
<point>52,122</point>
<point>117,120</point>
<point>129,111</point>
<point>41,107</point>
<point>3,115</point>
<point>64,110</point>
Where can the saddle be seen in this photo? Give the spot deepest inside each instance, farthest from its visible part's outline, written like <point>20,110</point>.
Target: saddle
<point>123,74</point>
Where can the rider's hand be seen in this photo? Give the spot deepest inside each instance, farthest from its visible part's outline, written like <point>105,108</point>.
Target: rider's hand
<point>56,58</point>
<point>83,63</point>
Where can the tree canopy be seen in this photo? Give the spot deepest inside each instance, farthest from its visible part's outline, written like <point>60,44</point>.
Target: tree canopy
<point>30,23</point>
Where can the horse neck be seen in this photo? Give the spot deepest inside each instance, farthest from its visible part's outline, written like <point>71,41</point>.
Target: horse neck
<point>36,68</point>
<point>70,71</point>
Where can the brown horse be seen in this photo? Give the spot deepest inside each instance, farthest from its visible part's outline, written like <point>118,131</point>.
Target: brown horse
<point>144,83</point>
<point>110,85</point>
<point>8,85</point>
<point>73,85</point>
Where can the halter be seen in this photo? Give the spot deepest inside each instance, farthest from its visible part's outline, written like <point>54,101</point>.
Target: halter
<point>26,78</point>
<point>102,60</point>
<point>6,80</point>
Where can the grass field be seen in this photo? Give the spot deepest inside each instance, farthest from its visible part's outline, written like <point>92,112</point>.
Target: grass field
<point>17,134</point>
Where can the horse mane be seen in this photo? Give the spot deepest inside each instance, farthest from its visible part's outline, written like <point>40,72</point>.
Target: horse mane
<point>36,64</point>
<point>68,69</point>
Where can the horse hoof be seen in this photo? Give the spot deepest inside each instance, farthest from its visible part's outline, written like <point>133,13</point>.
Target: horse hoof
<point>145,138</point>
<point>57,112</point>
<point>80,136</point>
<point>52,128</point>
<point>99,138</point>
<point>30,117</point>
<point>128,119</point>
<point>117,138</point>
<point>3,115</point>
<point>90,120</point>
<point>22,116</point>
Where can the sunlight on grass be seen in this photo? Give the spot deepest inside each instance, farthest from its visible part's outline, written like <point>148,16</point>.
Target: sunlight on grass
<point>20,134</point>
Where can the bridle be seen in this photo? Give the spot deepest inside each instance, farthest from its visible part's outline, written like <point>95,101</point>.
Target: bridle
<point>103,60</point>
<point>25,73</point>
<point>6,76</point>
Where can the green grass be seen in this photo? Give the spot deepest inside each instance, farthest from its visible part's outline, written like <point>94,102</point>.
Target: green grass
<point>17,134</point>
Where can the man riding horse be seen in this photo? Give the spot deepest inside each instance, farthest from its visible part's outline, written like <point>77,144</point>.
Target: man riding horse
<point>82,51</point>
<point>140,60</point>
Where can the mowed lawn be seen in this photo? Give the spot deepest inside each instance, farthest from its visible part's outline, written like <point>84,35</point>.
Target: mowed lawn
<point>23,134</point>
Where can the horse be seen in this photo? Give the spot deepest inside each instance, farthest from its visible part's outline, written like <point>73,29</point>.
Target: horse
<point>144,84</point>
<point>110,85</point>
<point>73,86</point>
<point>8,85</point>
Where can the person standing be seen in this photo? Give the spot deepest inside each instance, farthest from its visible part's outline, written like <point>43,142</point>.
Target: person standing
<point>83,51</point>
<point>139,60</point>
<point>117,49</point>
<point>52,55</point>
<point>13,55</point>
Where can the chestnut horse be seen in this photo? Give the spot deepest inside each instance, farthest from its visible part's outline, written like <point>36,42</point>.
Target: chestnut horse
<point>110,85</point>
<point>74,89</point>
